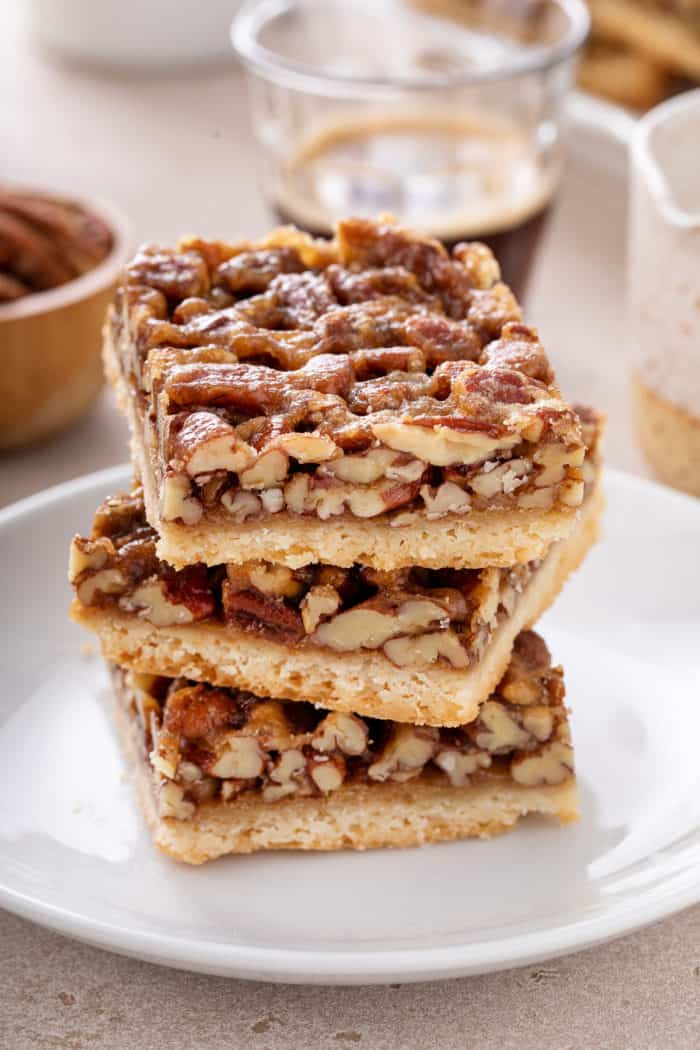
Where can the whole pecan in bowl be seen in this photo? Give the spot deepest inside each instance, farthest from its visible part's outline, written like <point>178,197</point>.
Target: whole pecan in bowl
<point>59,262</point>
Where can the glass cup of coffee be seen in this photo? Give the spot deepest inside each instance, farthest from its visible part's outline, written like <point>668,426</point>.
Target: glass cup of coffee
<point>444,113</point>
<point>664,289</point>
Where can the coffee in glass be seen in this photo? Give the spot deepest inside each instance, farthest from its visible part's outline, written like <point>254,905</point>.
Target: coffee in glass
<point>445,115</point>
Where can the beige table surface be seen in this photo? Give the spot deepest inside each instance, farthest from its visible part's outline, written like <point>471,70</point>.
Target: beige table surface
<point>176,155</point>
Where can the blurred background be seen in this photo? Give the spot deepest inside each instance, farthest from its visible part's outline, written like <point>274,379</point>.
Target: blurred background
<point>142,112</point>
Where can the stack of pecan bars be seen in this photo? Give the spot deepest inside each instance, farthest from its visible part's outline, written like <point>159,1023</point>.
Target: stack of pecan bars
<point>357,487</point>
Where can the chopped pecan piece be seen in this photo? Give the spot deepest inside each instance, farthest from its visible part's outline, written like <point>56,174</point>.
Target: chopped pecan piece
<point>256,389</point>
<point>367,244</point>
<point>286,775</point>
<point>267,471</point>
<point>196,711</point>
<point>251,272</point>
<point>292,301</point>
<point>204,443</point>
<point>326,771</point>
<point>497,731</point>
<point>424,649</point>
<point>440,443</point>
<point>383,360</point>
<point>88,555</point>
<point>105,581</point>
<point>241,505</point>
<point>369,625</point>
<point>442,339</point>
<point>252,611</point>
<point>551,764</point>
<point>479,262</point>
<point>119,515</point>
<point>461,765</point>
<point>448,498</point>
<point>175,276</point>
<point>406,752</point>
<point>240,757</point>
<point>318,604</point>
<point>353,286</point>
<point>177,501</point>
<point>276,580</point>
<point>519,349</point>
<point>151,601</point>
<point>347,733</point>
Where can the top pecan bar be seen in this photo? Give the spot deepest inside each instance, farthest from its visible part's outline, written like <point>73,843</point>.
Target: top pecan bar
<point>370,398</point>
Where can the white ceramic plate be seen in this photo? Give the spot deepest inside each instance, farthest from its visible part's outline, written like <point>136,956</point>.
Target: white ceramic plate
<point>75,856</point>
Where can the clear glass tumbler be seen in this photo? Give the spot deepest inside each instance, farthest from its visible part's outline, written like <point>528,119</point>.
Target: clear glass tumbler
<point>445,113</point>
<point>664,289</point>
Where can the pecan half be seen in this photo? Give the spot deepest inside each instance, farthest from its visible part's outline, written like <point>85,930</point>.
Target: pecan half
<point>250,610</point>
<point>198,710</point>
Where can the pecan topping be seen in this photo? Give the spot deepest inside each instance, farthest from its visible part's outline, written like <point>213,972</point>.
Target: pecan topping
<point>519,349</point>
<point>442,339</point>
<point>251,389</point>
<point>176,277</point>
<point>292,301</point>
<point>352,286</point>
<point>191,587</point>
<point>204,443</point>
<point>251,272</point>
<point>376,341</point>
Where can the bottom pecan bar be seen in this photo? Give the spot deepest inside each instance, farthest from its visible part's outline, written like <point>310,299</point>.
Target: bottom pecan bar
<point>222,771</point>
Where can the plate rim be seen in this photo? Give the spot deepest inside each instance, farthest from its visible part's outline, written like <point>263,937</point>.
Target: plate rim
<point>323,966</point>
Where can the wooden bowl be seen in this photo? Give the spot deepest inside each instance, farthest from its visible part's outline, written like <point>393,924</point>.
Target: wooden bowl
<point>50,363</point>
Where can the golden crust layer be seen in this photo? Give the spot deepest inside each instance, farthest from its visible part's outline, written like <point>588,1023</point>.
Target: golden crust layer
<point>478,540</point>
<point>362,681</point>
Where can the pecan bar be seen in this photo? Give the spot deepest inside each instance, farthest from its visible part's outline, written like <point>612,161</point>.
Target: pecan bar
<point>223,771</point>
<point>622,76</point>
<point>666,32</point>
<point>414,644</point>
<point>369,399</point>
